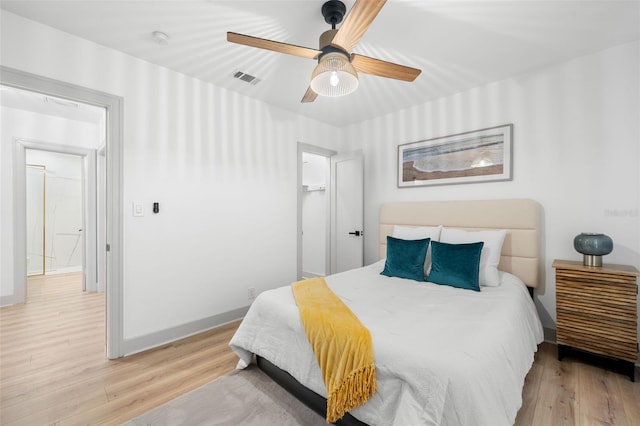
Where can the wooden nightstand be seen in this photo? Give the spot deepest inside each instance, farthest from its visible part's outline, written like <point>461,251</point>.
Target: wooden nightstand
<point>596,311</point>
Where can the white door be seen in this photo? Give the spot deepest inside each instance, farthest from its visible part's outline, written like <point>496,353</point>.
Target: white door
<point>347,211</point>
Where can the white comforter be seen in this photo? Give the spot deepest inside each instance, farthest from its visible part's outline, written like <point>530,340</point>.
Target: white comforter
<point>444,356</point>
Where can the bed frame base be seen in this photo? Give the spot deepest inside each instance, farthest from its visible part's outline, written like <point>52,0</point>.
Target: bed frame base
<point>311,399</point>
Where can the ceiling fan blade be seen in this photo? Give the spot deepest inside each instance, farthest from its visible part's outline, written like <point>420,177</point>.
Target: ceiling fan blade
<point>309,96</point>
<point>381,68</point>
<point>356,23</point>
<point>276,46</point>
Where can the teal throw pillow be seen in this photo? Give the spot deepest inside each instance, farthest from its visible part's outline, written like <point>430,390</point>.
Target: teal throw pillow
<point>457,265</point>
<point>405,258</point>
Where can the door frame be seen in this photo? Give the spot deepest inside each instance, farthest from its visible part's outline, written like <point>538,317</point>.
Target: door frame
<point>89,200</point>
<point>114,106</point>
<point>312,149</point>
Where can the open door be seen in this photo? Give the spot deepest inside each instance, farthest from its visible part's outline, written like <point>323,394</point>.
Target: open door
<point>347,211</point>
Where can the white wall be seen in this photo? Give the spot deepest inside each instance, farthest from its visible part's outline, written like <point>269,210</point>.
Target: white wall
<point>33,127</point>
<point>227,190</point>
<point>222,166</point>
<point>576,151</point>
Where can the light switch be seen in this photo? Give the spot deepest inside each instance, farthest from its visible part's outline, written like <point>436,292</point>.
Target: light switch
<point>138,208</point>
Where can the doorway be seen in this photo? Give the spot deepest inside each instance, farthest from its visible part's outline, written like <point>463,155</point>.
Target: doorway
<point>55,218</point>
<point>314,203</point>
<point>13,229</point>
<point>330,211</point>
<point>63,227</point>
<point>315,215</point>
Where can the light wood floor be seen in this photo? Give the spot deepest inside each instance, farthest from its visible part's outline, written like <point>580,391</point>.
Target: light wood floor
<point>53,369</point>
<point>573,392</point>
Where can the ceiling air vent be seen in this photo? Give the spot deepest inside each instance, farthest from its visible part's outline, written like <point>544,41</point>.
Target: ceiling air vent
<point>247,78</point>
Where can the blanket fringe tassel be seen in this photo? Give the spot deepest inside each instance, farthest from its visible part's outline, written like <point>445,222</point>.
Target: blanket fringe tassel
<point>354,390</point>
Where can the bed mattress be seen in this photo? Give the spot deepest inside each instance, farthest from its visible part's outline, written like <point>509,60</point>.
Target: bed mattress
<point>444,356</point>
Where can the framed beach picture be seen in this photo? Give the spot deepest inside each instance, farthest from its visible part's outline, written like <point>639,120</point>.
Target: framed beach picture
<point>477,156</point>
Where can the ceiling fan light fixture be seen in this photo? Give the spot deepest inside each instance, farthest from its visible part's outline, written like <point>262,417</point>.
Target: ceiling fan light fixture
<point>334,75</point>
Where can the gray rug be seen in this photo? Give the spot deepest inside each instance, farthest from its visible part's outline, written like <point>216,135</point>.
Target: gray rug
<point>242,397</point>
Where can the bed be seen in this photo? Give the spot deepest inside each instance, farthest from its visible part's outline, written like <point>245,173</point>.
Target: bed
<point>443,355</point>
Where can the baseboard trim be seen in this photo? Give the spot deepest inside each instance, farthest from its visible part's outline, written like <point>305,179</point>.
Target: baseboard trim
<point>158,338</point>
<point>8,300</point>
<point>67,270</point>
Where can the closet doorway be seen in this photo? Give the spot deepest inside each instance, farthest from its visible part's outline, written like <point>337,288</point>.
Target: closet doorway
<point>314,211</point>
<point>330,211</point>
<point>315,215</point>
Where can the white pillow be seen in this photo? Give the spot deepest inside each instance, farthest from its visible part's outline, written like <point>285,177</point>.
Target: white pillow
<point>419,233</point>
<point>491,250</point>
<point>416,232</point>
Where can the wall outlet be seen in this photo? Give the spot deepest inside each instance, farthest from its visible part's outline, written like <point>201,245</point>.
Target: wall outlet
<point>251,293</point>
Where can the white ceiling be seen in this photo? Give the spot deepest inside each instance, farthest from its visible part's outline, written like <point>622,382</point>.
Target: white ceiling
<point>457,44</point>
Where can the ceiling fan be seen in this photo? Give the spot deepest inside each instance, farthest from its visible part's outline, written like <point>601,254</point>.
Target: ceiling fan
<point>336,72</point>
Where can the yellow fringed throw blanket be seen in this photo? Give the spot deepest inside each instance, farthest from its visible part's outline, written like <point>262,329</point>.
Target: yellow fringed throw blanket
<point>342,346</point>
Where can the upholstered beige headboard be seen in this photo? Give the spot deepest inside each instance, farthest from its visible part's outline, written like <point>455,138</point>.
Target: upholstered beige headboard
<point>520,218</point>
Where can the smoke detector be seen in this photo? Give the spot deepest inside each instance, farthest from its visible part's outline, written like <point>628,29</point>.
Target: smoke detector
<point>160,37</point>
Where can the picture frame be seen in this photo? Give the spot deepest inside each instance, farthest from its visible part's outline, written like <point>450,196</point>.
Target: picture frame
<point>483,155</point>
